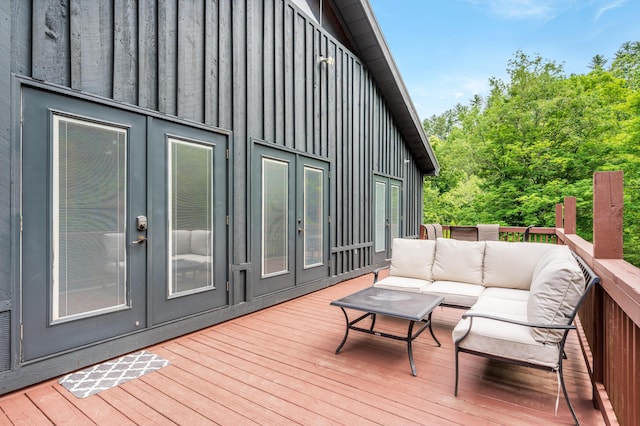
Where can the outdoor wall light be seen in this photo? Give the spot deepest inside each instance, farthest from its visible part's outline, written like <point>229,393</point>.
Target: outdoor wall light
<point>327,60</point>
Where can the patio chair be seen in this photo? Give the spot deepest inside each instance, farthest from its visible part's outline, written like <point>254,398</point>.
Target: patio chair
<point>489,232</point>
<point>431,231</point>
<point>464,233</point>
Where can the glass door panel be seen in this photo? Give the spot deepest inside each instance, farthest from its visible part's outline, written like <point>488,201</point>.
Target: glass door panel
<point>395,211</point>
<point>190,195</point>
<point>89,206</point>
<point>313,199</point>
<point>275,217</point>
<point>380,222</point>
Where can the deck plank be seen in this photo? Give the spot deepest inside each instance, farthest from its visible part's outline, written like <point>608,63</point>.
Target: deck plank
<point>278,366</point>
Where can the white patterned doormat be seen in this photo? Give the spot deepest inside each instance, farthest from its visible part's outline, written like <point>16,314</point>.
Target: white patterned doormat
<point>112,373</point>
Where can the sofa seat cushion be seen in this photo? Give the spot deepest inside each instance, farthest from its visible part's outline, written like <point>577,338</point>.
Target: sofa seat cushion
<point>501,307</point>
<point>511,264</point>
<point>193,258</point>
<point>557,286</point>
<point>402,283</point>
<point>455,293</point>
<point>459,261</point>
<point>506,294</point>
<point>412,258</point>
<point>505,340</point>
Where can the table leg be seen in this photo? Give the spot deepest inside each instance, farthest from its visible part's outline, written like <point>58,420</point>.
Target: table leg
<point>409,348</point>
<point>346,332</point>
<point>431,331</point>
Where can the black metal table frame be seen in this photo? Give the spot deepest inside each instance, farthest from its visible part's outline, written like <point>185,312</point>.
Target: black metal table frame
<point>409,338</point>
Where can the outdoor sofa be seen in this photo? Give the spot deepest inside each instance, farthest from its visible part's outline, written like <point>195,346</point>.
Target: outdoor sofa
<point>520,298</point>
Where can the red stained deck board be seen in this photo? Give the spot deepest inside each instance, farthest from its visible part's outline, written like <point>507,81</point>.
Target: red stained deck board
<point>278,366</point>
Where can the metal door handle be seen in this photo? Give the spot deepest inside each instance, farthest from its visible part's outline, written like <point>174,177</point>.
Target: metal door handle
<point>300,229</point>
<point>141,239</point>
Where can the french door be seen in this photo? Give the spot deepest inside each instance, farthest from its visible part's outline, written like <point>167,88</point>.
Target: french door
<point>290,219</point>
<point>387,215</point>
<point>123,222</point>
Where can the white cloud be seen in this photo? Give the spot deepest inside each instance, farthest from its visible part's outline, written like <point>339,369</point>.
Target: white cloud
<point>607,7</point>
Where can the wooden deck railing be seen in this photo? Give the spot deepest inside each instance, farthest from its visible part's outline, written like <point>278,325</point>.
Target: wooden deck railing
<point>609,321</point>
<point>610,318</point>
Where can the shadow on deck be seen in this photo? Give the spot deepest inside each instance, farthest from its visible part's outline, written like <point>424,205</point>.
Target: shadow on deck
<point>278,366</point>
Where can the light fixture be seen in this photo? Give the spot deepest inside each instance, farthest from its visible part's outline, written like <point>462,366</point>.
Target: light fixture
<point>327,60</point>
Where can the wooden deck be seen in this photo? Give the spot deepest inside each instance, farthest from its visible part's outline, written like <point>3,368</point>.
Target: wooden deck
<point>278,366</point>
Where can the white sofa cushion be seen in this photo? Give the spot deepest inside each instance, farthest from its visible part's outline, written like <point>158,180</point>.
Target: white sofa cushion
<point>505,340</point>
<point>181,243</point>
<point>500,306</point>
<point>507,294</point>
<point>511,264</point>
<point>403,283</point>
<point>412,258</point>
<point>459,261</point>
<point>455,293</point>
<point>555,291</point>
<point>201,242</point>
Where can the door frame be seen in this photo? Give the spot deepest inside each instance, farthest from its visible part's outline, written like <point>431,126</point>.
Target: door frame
<point>21,83</point>
<point>296,160</point>
<point>389,182</point>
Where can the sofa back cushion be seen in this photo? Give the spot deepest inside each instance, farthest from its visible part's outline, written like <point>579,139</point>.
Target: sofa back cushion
<point>556,288</point>
<point>511,265</point>
<point>201,242</point>
<point>181,242</point>
<point>458,260</point>
<point>412,258</point>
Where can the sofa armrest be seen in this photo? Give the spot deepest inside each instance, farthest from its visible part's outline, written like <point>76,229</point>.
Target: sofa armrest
<point>472,315</point>
<point>377,271</point>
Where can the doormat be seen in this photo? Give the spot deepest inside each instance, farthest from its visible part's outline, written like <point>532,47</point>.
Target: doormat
<point>112,373</point>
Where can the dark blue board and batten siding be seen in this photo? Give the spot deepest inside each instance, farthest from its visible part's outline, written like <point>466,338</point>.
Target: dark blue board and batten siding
<point>249,67</point>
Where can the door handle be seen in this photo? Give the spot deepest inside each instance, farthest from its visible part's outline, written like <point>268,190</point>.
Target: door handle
<point>300,229</point>
<point>141,239</point>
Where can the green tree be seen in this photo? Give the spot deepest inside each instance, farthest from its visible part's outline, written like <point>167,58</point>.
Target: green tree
<point>537,138</point>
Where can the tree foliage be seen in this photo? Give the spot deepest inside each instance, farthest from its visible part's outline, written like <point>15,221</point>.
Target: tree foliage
<point>537,138</point>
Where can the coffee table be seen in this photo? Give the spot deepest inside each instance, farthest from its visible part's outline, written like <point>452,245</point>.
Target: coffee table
<point>414,307</point>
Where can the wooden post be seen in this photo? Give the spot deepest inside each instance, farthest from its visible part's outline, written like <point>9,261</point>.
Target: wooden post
<point>569,215</point>
<point>608,206</point>
<point>559,221</point>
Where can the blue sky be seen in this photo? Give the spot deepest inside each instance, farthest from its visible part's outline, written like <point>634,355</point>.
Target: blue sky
<point>447,50</point>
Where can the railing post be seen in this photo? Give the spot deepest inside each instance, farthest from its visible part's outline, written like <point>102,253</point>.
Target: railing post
<point>569,215</point>
<point>607,244</point>
<point>607,215</point>
<point>559,221</point>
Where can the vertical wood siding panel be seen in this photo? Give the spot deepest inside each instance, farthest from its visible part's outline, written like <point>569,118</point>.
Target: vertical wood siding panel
<point>279,70</point>
<point>300,61</point>
<point>92,47</point>
<point>318,71</point>
<point>125,48</point>
<point>356,161</point>
<point>50,49</point>
<point>349,155</point>
<point>148,54</point>
<point>225,65</point>
<point>338,170</point>
<point>331,105</point>
<point>167,56</point>
<point>6,28</point>
<point>269,71</point>
<point>255,83</point>
<point>240,193</point>
<point>211,31</point>
<point>310,69</point>
<point>289,77</point>
<point>191,59</point>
